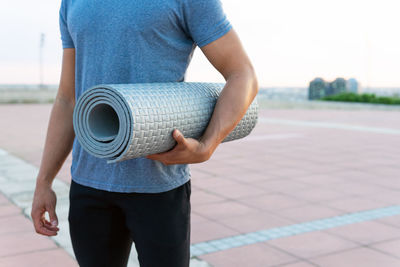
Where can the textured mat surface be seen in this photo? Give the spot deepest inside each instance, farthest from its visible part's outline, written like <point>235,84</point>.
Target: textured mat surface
<point>125,121</point>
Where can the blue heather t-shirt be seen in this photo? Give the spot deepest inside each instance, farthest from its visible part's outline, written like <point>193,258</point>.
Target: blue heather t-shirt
<point>141,41</point>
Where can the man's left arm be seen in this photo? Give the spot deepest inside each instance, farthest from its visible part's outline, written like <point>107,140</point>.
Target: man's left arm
<point>228,56</point>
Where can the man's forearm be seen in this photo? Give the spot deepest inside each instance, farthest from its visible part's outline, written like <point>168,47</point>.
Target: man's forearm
<point>232,104</point>
<point>227,55</point>
<point>59,140</point>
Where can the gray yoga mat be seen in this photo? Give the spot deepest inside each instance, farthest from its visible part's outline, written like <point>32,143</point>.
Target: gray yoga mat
<point>124,121</point>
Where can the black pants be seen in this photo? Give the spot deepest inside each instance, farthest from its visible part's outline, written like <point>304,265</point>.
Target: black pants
<point>104,224</point>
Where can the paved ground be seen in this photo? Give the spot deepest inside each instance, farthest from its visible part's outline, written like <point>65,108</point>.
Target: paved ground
<point>306,188</point>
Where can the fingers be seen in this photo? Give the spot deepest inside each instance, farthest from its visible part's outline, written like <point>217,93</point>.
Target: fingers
<point>160,158</point>
<point>175,153</point>
<point>53,216</point>
<point>49,226</point>
<point>42,226</point>
<point>52,225</point>
<point>163,156</point>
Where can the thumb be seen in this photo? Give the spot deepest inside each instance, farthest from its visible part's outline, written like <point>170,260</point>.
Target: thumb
<point>53,216</point>
<point>178,136</point>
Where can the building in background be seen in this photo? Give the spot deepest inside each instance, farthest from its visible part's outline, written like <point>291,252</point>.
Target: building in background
<point>339,85</point>
<point>353,85</point>
<point>319,88</point>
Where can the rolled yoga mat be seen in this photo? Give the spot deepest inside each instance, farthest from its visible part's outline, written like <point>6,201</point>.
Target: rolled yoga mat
<point>124,121</point>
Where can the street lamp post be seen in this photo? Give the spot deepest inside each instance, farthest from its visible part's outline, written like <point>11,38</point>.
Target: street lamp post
<point>41,70</point>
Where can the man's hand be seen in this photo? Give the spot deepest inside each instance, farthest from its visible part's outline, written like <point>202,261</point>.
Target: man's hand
<point>186,151</point>
<point>44,200</point>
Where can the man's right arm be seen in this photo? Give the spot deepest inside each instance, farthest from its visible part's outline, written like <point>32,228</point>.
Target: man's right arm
<point>59,140</point>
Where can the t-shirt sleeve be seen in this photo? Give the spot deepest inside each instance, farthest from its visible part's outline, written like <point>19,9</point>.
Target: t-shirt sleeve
<point>66,39</point>
<point>204,20</point>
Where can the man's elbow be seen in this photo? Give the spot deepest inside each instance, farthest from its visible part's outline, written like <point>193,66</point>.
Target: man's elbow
<point>65,98</point>
<point>254,87</point>
<point>247,76</point>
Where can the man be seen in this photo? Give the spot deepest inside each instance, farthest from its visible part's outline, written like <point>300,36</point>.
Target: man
<point>144,200</point>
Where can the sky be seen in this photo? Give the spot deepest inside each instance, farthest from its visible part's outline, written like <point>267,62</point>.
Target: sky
<point>289,42</point>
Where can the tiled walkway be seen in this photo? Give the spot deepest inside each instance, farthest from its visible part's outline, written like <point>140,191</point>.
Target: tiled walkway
<point>21,246</point>
<point>292,169</point>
